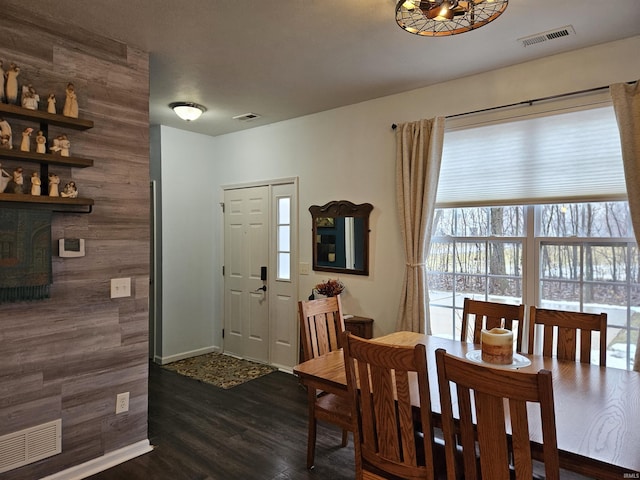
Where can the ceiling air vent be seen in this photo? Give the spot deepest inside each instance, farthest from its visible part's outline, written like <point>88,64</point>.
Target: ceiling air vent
<point>546,36</point>
<point>246,117</point>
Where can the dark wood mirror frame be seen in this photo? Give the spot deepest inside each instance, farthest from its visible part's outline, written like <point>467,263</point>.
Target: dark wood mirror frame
<point>326,220</point>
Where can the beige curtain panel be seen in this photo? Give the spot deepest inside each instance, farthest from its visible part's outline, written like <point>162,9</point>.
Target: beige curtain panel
<point>418,158</point>
<point>626,103</point>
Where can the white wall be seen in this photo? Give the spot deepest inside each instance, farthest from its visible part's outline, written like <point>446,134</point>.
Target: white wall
<point>190,264</point>
<point>346,153</point>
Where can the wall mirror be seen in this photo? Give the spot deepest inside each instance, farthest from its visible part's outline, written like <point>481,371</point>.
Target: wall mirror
<point>341,237</point>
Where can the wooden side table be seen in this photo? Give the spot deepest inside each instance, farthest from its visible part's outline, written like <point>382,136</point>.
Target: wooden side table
<point>360,326</point>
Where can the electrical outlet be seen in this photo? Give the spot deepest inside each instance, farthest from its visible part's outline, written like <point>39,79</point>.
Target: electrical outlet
<point>122,402</point>
<point>120,287</point>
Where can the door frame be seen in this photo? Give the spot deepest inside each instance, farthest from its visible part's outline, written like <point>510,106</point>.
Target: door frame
<point>294,181</point>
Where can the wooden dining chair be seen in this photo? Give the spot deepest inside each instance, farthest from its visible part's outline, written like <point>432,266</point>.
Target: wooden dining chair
<point>393,433</point>
<point>491,425</point>
<point>561,329</point>
<point>478,314</point>
<point>321,326</point>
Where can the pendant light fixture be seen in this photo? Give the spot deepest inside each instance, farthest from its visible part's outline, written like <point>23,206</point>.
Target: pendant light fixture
<point>188,110</point>
<point>437,18</point>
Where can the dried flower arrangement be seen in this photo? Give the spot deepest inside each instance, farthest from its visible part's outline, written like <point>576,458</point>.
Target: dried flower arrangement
<point>330,288</point>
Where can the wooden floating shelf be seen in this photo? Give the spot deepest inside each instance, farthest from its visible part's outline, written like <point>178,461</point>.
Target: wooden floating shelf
<point>55,203</point>
<point>46,117</point>
<point>45,158</point>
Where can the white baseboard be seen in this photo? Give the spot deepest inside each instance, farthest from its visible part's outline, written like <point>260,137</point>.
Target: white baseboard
<point>183,355</point>
<point>103,463</point>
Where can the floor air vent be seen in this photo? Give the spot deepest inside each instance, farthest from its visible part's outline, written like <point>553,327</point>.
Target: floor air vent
<point>30,445</point>
<point>546,36</point>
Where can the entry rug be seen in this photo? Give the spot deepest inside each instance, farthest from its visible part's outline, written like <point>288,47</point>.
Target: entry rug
<point>220,370</point>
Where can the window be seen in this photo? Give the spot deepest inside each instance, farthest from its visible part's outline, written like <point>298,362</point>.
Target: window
<point>284,238</point>
<point>476,253</point>
<point>582,259</point>
<point>542,220</point>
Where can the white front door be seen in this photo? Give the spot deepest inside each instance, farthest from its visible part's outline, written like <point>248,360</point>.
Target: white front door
<point>260,238</point>
<point>246,252</point>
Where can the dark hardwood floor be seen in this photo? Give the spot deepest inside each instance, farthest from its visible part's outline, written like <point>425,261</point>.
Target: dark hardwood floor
<point>257,430</point>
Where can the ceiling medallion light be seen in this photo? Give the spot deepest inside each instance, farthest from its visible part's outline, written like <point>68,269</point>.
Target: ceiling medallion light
<point>437,18</point>
<point>188,110</point>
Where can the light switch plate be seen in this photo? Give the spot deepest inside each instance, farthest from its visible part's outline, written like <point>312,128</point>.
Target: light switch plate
<point>304,268</point>
<point>120,287</point>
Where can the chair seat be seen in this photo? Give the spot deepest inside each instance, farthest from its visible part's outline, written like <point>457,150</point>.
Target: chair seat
<point>334,409</point>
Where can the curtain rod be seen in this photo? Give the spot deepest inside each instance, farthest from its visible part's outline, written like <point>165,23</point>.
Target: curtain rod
<point>526,102</point>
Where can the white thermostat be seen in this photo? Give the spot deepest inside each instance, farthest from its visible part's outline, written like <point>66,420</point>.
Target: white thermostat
<point>71,247</point>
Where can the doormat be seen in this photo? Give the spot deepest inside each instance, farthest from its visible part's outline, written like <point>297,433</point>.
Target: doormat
<point>223,371</point>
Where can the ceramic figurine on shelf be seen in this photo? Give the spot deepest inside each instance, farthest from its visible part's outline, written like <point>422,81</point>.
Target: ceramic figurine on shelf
<point>70,190</point>
<point>54,181</point>
<point>71,102</point>
<point>65,145</point>
<point>1,86</point>
<point>25,146</point>
<point>55,145</point>
<point>18,181</point>
<point>11,88</point>
<point>41,143</point>
<point>5,131</point>
<point>36,183</point>
<point>51,103</point>
<point>30,98</point>
<point>5,178</point>
<point>5,143</point>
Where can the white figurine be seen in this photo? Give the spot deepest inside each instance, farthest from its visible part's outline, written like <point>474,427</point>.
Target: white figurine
<point>70,190</point>
<point>18,181</point>
<point>35,184</point>
<point>30,98</point>
<point>54,181</point>
<point>51,103</point>
<point>12,83</point>
<point>5,178</point>
<point>65,145</point>
<point>41,142</point>
<point>4,142</point>
<point>71,102</point>
<point>55,146</point>
<point>5,131</point>
<point>25,146</point>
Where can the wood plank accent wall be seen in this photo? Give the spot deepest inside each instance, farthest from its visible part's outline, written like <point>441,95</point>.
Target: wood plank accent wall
<point>67,357</point>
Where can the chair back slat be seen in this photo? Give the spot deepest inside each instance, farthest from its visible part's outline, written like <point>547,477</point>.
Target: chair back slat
<point>562,329</point>
<point>478,314</point>
<point>388,437</point>
<point>500,436</point>
<point>321,324</point>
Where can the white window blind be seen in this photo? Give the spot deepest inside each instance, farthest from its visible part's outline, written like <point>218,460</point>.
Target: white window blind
<point>546,155</point>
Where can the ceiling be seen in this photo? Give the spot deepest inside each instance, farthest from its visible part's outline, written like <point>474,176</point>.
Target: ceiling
<point>283,59</point>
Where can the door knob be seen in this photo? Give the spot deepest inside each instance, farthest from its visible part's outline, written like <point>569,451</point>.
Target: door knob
<point>263,288</point>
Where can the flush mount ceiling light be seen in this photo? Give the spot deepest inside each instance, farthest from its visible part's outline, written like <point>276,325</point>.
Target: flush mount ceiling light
<point>188,110</point>
<point>437,18</point>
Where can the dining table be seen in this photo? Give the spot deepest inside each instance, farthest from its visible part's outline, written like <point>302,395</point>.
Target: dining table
<point>597,408</point>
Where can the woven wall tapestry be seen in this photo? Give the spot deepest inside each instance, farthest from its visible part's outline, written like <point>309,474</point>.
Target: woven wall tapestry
<point>25,254</point>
